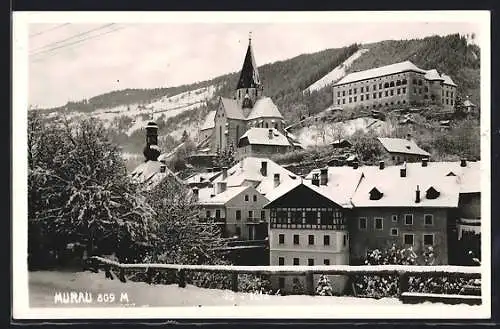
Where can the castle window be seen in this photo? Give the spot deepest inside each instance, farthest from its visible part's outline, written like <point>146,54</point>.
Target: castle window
<point>386,85</point>
<point>355,91</point>
<point>368,97</point>
<point>404,82</point>
<point>361,97</point>
<point>391,84</point>
<point>362,89</point>
<point>343,101</point>
<point>386,93</point>
<point>379,86</point>
<point>350,99</point>
<point>426,89</point>
<point>414,91</point>
<point>419,82</point>
<point>399,91</point>
<point>447,93</point>
<point>374,87</point>
<point>367,88</point>
<point>419,91</point>
<point>447,101</point>
<point>398,83</point>
<point>404,90</point>
<point>392,92</point>
<point>380,94</point>
<point>343,92</point>
<point>414,81</point>
<point>451,101</point>
<point>350,91</point>
<point>374,95</point>
<point>355,98</point>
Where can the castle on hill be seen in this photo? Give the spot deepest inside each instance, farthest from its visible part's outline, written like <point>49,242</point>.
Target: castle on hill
<point>249,123</point>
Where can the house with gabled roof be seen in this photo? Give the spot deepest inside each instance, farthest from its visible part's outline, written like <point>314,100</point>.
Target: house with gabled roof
<point>403,150</point>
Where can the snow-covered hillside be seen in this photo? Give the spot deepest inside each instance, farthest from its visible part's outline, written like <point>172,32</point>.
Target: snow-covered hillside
<point>323,133</point>
<point>337,73</point>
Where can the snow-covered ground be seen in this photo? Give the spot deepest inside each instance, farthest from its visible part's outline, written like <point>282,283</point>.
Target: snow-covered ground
<point>337,73</point>
<point>324,133</point>
<point>44,285</point>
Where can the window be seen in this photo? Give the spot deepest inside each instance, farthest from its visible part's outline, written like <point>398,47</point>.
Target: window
<point>399,91</point>
<point>380,94</point>
<point>281,261</point>
<point>355,98</point>
<point>391,84</point>
<point>374,87</point>
<point>386,85</point>
<point>426,89</point>
<point>451,101</point>
<point>368,89</point>
<point>394,231</point>
<point>238,231</point>
<point>447,101</point>
<point>338,101</point>
<point>262,215</point>
<point>246,197</point>
<point>447,93</point>
<point>350,91</point>
<point>374,95</point>
<point>217,213</point>
<point>326,240</point>
<point>311,239</point>
<point>398,82</point>
<point>379,86</point>
<point>386,93</point>
<point>296,261</point>
<point>326,261</point>
<point>281,239</point>
<point>208,214</point>
<point>428,220</point>
<point>281,282</point>
<point>295,239</point>
<point>344,243</point>
<point>367,96</point>
<point>238,214</point>
<point>392,92</point>
<point>350,99</point>
<point>310,262</point>
<point>414,91</point>
<point>419,82</point>
<point>419,91</point>
<point>355,91</point>
<point>414,81</point>
<point>361,98</point>
<point>343,100</point>
<point>362,223</point>
<point>408,239</point>
<point>404,90</point>
<point>362,89</point>
<point>428,239</point>
<point>394,218</point>
<point>408,219</point>
<point>404,82</point>
<point>250,214</point>
<point>343,92</point>
<point>379,223</point>
<point>338,93</point>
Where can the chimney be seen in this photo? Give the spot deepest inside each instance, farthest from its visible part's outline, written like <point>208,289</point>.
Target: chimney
<point>381,165</point>
<point>408,137</point>
<point>424,162</point>
<point>402,171</point>
<point>463,163</point>
<point>355,165</point>
<point>323,177</point>
<point>196,194</point>
<point>224,172</point>
<point>417,195</point>
<point>163,168</point>
<point>270,134</point>
<point>276,180</point>
<point>263,168</point>
<point>315,179</point>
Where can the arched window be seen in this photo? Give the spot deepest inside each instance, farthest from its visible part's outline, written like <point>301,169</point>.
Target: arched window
<point>398,83</point>
<point>391,84</point>
<point>386,85</point>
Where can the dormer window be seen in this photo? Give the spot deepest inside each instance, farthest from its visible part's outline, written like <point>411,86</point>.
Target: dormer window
<point>432,193</point>
<point>451,173</point>
<point>375,194</point>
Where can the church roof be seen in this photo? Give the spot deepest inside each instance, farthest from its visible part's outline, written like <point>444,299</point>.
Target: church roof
<point>209,122</point>
<point>249,76</point>
<point>232,109</point>
<point>264,108</point>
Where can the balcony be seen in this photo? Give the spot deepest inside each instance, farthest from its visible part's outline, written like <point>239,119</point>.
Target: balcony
<point>333,227</point>
<point>216,220</point>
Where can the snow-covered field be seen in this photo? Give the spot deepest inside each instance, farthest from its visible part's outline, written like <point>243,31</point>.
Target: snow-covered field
<point>44,285</point>
<point>324,133</point>
<point>337,73</point>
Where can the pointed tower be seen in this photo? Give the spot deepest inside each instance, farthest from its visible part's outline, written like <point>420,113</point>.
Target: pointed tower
<point>249,87</point>
<point>151,150</point>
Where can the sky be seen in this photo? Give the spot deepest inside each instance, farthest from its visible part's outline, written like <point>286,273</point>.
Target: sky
<point>73,61</point>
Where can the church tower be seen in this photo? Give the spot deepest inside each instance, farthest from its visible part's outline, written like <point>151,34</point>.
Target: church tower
<point>151,150</point>
<point>249,87</point>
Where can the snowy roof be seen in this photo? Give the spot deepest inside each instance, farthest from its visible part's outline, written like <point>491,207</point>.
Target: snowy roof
<point>209,122</point>
<point>264,108</point>
<point>260,136</point>
<point>222,198</point>
<point>401,191</point>
<point>401,145</point>
<point>201,177</point>
<point>447,80</point>
<point>148,174</point>
<point>249,170</point>
<point>433,75</point>
<point>233,111</point>
<point>380,71</point>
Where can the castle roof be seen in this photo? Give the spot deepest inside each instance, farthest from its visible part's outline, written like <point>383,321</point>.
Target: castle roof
<point>380,71</point>
<point>433,75</point>
<point>447,80</point>
<point>249,76</point>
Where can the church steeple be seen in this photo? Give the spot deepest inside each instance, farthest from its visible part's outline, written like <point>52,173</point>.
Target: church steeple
<point>249,87</point>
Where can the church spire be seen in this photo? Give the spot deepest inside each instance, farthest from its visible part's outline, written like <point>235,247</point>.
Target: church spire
<point>249,76</point>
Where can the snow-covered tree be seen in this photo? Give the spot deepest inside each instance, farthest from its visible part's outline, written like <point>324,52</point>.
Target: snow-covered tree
<point>78,190</point>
